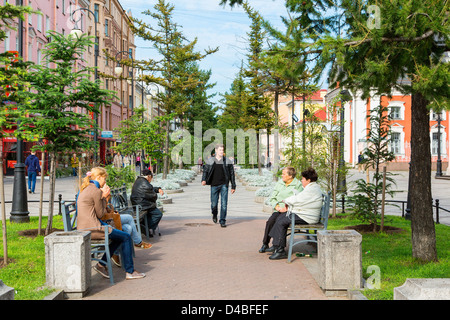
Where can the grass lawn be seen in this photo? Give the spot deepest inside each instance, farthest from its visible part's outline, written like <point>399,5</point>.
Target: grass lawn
<point>26,272</point>
<point>390,252</point>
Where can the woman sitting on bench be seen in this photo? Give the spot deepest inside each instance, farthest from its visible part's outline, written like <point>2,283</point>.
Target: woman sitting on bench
<point>305,205</point>
<point>91,204</point>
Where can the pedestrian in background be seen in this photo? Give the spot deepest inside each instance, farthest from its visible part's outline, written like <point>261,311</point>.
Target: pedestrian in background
<point>74,164</point>
<point>33,169</point>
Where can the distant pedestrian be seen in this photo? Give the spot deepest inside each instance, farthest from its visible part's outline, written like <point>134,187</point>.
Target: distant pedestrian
<point>74,163</point>
<point>33,169</point>
<point>360,162</point>
<point>118,161</point>
<point>218,172</point>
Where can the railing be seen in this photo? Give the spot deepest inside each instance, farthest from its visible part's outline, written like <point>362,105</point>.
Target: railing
<point>404,203</point>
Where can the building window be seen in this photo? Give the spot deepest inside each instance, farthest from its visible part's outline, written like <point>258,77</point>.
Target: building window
<point>8,34</point>
<point>47,24</point>
<point>96,12</point>
<point>396,113</point>
<point>434,143</point>
<point>395,142</point>
<point>106,28</point>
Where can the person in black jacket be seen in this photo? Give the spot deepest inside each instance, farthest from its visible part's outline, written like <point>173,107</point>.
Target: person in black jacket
<point>144,194</point>
<point>218,172</point>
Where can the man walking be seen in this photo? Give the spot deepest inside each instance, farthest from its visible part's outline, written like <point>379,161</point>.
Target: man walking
<point>218,172</point>
<point>33,167</point>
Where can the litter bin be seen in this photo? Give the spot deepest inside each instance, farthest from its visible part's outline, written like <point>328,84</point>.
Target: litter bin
<point>340,261</point>
<point>68,262</point>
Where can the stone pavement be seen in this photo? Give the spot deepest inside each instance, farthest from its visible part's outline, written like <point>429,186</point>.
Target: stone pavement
<point>195,259</point>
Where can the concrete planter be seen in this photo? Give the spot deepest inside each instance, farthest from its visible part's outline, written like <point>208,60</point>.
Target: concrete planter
<point>173,191</point>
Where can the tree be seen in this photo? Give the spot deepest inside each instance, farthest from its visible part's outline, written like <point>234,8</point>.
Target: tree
<point>137,135</point>
<point>12,92</point>
<point>257,110</point>
<point>170,71</point>
<point>394,45</point>
<point>366,194</point>
<point>62,98</point>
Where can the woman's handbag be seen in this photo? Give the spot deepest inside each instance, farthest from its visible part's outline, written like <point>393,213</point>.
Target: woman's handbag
<point>112,217</point>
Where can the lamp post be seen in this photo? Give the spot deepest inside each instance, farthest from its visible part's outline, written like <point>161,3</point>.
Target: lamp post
<point>342,185</point>
<point>77,33</point>
<point>19,209</point>
<point>439,161</point>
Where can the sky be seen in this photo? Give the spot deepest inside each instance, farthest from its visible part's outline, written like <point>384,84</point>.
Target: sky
<point>214,26</point>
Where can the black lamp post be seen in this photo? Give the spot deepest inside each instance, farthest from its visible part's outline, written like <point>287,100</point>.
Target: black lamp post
<point>19,209</point>
<point>342,185</point>
<point>77,32</point>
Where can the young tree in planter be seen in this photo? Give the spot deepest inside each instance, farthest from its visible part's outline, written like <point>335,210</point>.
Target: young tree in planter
<point>13,94</point>
<point>366,198</point>
<point>137,135</point>
<point>62,98</point>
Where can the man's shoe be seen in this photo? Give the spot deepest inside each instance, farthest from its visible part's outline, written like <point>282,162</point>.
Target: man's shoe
<point>263,248</point>
<point>278,254</point>
<point>223,225</point>
<point>271,249</point>
<point>214,217</point>
<point>29,191</point>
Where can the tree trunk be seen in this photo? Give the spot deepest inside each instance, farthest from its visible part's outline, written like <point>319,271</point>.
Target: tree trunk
<point>276,148</point>
<point>422,224</point>
<point>52,194</point>
<point>166,151</point>
<point>258,155</point>
<point>2,194</point>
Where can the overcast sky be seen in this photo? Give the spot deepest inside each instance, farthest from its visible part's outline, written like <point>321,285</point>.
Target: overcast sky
<point>213,26</point>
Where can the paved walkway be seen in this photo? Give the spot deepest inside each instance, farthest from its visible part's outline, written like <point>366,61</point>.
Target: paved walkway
<point>195,259</point>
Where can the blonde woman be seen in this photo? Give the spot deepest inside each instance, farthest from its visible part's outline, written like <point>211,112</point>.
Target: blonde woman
<point>91,206</point>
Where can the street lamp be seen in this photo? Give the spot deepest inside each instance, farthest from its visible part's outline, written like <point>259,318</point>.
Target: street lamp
<point>342,187</point>
<point>77,32</point>
<point>19,209</point>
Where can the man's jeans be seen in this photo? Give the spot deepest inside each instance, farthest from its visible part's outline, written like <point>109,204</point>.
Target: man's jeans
<point>119,237</point>
<point>221,190</point>
<point>32,180</point>
<point>153,217</point>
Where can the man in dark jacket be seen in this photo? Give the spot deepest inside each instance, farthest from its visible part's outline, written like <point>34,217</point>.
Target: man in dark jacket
<point>145,195</point>
<point>33,168</point>
<point>218,172</point>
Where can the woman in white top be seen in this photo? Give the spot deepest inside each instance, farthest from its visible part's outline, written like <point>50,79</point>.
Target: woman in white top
<point>305,205</point>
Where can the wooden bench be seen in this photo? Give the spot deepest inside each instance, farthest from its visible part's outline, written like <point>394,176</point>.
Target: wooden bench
<point>304,229</point>
<point>98,247</point>
<point>120,202</point>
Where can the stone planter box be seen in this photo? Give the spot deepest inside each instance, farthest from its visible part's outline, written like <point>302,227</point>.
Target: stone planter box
<point>260,199</point>
<point>166,200</point>
<point>267,208</point>
<point>252,188</point>
<point>339,260</point>
<point>173,191</point>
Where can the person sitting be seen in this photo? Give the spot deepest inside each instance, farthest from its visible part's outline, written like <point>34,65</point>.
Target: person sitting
<point>129,227</point>
<point>145,195</point>
<point>306,206</point>
<point>286,187</point>
<point>91,207</point>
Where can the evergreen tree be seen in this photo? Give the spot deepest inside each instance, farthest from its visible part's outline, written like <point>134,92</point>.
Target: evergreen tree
<point>62,98</point>
<point>170,71</point>
<point>257,110</point>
